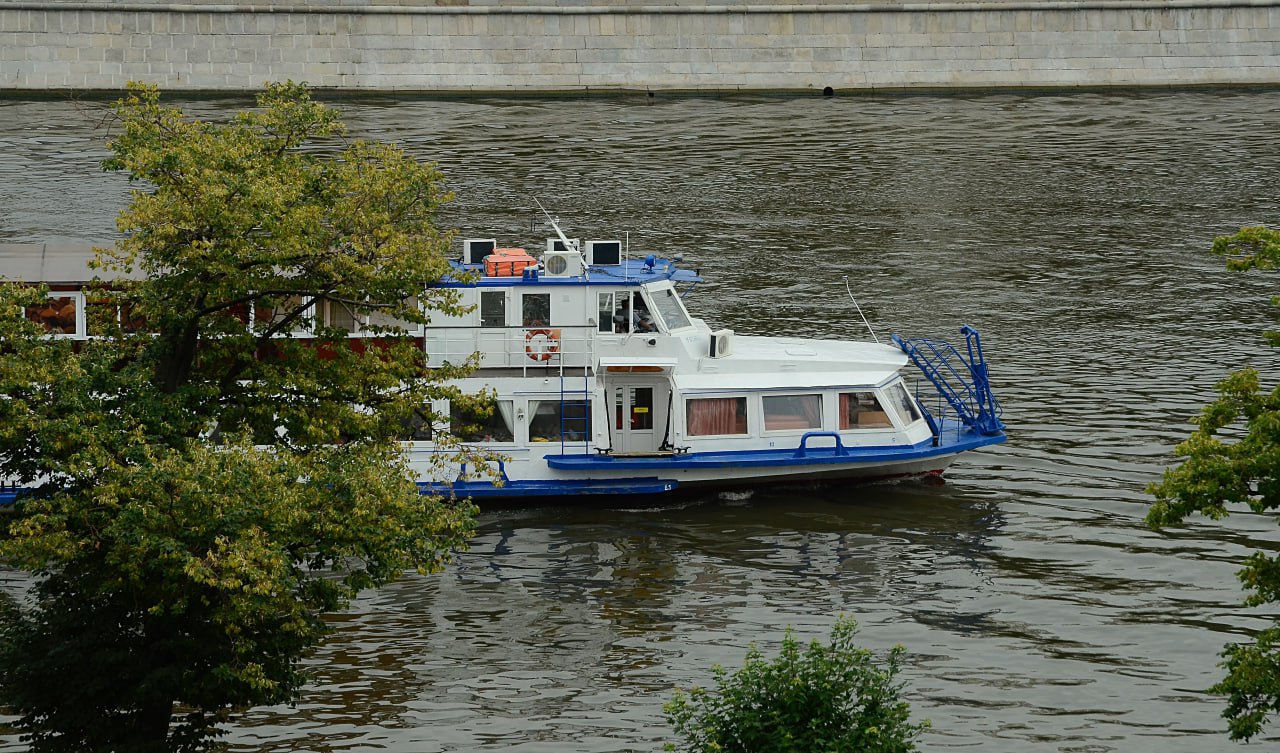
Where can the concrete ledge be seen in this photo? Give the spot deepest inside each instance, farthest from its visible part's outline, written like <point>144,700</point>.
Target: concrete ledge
<point>323,8</point>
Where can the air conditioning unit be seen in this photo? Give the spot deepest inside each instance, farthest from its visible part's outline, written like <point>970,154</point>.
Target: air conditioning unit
<point>721,343</point>
<point>555,244</point>
<point>604,253</point>
<point>562,264</point>
<point>475,249</point>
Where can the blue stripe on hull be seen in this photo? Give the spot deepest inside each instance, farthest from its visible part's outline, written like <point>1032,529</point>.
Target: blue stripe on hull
<point>804,455</point>
<point>551,488</point>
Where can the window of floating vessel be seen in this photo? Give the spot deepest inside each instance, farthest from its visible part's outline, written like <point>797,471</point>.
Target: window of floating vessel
<point>536,309</point>
<point>554,420</point>
<point>712,416</point>
<point>792,412</point>
<point>421,424</point>
<point>342,316</point>
<point>605,312</point>
<point>491,423</point>
<point>273,312</point>
<point>493,308</point>
<point>862,410</point>
<point>671,309</point>
<point>906,407</point>
<point>61,314</point>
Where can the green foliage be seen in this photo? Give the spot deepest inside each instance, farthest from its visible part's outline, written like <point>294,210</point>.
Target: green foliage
<point>1233,459</point>
<point>208,488</point>
<point>817,699</point>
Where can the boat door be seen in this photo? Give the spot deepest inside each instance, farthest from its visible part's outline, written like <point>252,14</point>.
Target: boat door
<point>640,409</point>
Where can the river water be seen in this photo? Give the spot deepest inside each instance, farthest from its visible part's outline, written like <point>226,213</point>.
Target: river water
<point>1039,613</point>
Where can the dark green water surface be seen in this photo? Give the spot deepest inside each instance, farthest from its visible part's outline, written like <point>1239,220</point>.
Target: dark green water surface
<point>1039,612</point>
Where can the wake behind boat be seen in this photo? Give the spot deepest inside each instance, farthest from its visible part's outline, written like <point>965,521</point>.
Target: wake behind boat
<point>605,384</point>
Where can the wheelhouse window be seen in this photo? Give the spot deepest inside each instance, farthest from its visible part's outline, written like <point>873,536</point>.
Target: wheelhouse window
<point>494,422</point>
<point>862,410</point>
<point>61,314</point>
<point>610,316</point>
<point>792,412</point>
<point>493,308</point>
<point>671,309</point>
<point>554,420</point>
<point>715,416</point>
<point>901,400</point>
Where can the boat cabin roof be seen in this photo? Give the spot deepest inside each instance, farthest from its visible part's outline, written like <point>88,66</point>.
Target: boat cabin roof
<point>52,263</point>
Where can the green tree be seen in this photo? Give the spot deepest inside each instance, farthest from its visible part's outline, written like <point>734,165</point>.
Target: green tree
<point>1233,459</point>
<point>207,488</point>
<point>833,698</point>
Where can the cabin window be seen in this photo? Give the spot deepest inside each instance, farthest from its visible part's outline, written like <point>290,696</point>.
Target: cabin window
<point>487,423</point>
<point>493,308</point>
<point>555,420</point>
<point>901,400</point>
<point>792,412</point>
<point>862,410</point>
<point>275,311</point>
<point>61,314</point>
<point>536,309</point>
<point>671,309</point>
<point>342,316</point>
<point>420,425</point>
<point>712,416</point>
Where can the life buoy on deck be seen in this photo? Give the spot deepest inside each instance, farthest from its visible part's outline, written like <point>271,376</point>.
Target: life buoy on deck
<point>540,344</point>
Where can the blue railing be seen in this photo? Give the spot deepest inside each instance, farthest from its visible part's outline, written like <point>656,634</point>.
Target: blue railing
<point>961,379</point>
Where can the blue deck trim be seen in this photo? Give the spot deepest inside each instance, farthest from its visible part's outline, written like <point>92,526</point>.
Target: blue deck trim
<point>551,488</point>
<point>952,442</point>
<point>631,272</point>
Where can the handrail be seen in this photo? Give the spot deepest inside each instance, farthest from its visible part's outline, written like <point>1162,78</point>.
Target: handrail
<point>840,449</point>
<point>961,380</point>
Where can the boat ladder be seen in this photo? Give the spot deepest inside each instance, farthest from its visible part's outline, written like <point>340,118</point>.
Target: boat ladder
<point>961,379</point>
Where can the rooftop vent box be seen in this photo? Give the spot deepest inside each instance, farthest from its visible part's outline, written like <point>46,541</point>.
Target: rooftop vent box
<point>604,252</point>
<point>475,249</point>
<point>562,264</point>
<point>555,244</point>
<point>721,343</point>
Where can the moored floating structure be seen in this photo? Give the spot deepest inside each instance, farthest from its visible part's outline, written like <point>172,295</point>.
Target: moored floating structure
<point>605,384</point>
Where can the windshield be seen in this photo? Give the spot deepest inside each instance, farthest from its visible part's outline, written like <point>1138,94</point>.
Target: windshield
<point>670,308</point>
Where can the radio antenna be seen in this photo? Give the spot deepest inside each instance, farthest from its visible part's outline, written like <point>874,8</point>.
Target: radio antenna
<point>568,244</point>
<point>859,308</point>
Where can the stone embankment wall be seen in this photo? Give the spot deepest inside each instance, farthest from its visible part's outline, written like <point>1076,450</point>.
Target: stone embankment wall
<point>577,45</point>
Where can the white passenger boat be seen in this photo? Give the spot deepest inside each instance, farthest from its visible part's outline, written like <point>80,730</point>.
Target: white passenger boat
<point>607,385</point>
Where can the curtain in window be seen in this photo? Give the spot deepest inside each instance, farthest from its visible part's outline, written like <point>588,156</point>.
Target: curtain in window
<point>713,415</point>
<point>846,416</point>
<point>508,415</point>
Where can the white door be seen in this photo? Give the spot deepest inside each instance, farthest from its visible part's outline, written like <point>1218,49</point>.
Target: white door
<point>639,417</point>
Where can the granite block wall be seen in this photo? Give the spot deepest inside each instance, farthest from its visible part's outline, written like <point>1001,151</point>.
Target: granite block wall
<point>577,45</point>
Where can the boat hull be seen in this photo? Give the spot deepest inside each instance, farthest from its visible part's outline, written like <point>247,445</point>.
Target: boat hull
<point>597,474</point>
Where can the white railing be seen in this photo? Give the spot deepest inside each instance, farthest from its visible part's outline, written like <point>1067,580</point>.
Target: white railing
<point>564,350</point>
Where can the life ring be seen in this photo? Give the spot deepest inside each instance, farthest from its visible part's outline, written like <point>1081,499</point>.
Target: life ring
<point>540,344</point>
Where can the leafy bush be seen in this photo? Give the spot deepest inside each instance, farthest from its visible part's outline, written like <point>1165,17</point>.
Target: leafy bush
<point>815,699</point>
